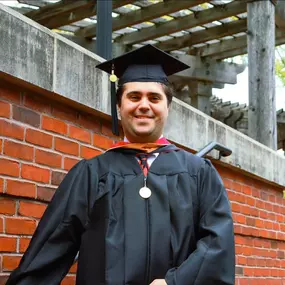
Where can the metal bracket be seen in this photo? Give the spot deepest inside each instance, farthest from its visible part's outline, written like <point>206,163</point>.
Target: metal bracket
<point>223,151</point>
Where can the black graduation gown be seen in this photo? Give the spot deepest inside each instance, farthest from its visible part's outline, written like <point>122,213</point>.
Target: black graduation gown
<point>183,233</point>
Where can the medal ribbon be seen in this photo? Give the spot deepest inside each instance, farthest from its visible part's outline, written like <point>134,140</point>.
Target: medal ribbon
<point>143,162</point>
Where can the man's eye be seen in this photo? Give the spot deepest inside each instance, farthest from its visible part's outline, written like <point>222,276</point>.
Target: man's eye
<point>134,97</point>
<point>154,98</point>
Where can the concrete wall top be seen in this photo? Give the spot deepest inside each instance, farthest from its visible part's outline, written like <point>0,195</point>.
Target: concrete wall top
<point>44,59</point>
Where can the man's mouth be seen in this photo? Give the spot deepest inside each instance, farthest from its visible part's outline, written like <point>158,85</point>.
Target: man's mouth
<point>143,117</point>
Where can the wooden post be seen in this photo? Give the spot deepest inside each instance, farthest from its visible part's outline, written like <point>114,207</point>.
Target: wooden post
<point>261,60</point>
<point>200,95</point>
<point>104,29</point>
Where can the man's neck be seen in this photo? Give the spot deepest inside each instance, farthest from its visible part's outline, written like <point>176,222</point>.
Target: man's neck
<point>126,140</point>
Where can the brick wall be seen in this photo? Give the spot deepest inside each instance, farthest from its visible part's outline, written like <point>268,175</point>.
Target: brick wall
<point>259,215</point>
<point>40,140</point>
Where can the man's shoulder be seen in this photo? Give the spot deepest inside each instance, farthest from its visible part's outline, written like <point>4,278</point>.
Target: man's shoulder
<point>189,161</point>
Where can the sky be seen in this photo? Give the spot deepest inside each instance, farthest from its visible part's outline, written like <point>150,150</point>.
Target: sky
<point>239,92</point>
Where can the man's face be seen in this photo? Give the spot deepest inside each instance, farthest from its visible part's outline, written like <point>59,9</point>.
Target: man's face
<point>144,110</point>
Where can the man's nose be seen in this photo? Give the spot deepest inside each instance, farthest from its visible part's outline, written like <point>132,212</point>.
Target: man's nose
<point>144,104</point>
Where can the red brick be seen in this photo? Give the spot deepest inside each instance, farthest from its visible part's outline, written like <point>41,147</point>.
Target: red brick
<point>246,189</point>
<point>79,134</point>
<point>264,196</point>
<point>8,244</point>
<point>70,162</point>
<point>1,145</point>
<point>37,103</point>
<point>231,195</point>
<point>66,146</point>
<point>236,207</point>
<point>242,281</point>
<point>64,113</point>
<point>9,167</point>
<point>241,260</point>
<point>276,209</point>
<point>280,218</point>
<point>280,254</point>
<point>87,152</point>
<point>1,225</point>
<point>5,110</point>
<point>45,193</point>
<point>268,206</point>
<point>54,125</point>
<point>11,130</point>
<point>107,131</point>
<point>35,173</point>
<point>39,138</point>
<point>240,240</point>
<point>19,188</point>
<point>260,204</point>
<point>57,177</point>
<point>20,226</point>
<point>239,270</point>
<point>31,209</point>
<point>272,198</point>
<point>89,123</point>
<point>7,206</point>
<point>24,243</point>
<point>250,221</point>
<point>18,150</point>
<point>263,214</point>
<point>10,262</point>
<point>236,186</point>
<point>250,201</point>
<point>241,219</point>
<point>9,93</point>
<point>259,223</point>
<point>102,142</point>
<point>26,116</point>
<point>48,158</point>
<point>240,198</point>
<point>227,183</point>
<point>1,185</point>
<point>248,271</point>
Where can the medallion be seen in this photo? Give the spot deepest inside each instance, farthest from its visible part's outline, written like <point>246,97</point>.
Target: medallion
<point>145,192</point>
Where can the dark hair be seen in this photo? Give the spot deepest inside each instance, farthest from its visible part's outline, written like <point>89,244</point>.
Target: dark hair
<point>168,90</point>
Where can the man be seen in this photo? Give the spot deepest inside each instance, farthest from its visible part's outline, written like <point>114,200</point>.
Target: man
<point>144,212</point>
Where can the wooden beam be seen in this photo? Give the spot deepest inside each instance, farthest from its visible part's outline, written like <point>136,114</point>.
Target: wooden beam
<point>142,15</point>
<point>280,15</point>
<point>239,48</point>
<point>68,11</point>
<point>204,35</point>
<point>207,70</point>
<point>187,22</point>
<point>221,47</point>
<point>230,45</point>
<point>262,124</point>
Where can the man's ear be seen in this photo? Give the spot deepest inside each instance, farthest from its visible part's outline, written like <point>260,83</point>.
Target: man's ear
<point>119,110</point>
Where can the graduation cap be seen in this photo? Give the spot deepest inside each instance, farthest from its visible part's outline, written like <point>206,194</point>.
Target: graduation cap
<point>145,64</point>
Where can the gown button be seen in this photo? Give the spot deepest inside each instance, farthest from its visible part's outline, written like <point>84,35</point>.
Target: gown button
<point>145,192</point>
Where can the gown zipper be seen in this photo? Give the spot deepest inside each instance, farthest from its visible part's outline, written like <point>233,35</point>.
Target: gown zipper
<point>148,243</point>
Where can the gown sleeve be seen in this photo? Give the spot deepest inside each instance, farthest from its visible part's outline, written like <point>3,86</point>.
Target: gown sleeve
<point>57,238</point>
<point>213,261</point>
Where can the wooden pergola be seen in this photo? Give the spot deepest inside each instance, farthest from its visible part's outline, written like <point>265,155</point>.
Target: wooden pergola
<point>201,33</point>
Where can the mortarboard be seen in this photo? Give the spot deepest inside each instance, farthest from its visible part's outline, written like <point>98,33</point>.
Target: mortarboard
<point>145,64</point>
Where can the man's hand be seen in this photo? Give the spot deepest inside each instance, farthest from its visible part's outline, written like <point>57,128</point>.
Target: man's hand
<point>158,282</point>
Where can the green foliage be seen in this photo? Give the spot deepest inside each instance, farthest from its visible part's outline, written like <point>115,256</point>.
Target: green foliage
<point>280,64</point>
<point>280,70</point>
